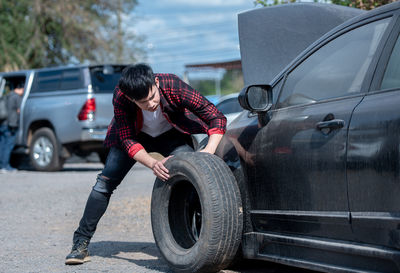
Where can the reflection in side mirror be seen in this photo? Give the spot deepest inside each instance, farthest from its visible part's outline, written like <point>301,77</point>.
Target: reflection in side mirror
<point>256,98</point>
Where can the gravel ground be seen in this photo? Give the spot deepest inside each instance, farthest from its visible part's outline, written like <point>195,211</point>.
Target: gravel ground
<point>40,211</point>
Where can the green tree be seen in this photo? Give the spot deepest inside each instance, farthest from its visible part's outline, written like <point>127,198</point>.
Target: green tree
<point>204,86</point>
<point>39,33</point>
<point>231,82</point>
<point>361,4</point>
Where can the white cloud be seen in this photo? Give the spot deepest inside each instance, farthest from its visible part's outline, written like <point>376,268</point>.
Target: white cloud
<point>150,24</point>
<point>206,18</point>
<point>179,32</point>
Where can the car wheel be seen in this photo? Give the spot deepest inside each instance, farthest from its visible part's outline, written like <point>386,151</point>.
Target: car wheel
<point>197,214</point>
<point>44,151</point>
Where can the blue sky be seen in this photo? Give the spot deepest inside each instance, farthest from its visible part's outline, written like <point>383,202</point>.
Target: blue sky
<point>179,32</point>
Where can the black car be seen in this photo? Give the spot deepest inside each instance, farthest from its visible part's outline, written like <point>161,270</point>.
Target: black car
<point>316,160</point>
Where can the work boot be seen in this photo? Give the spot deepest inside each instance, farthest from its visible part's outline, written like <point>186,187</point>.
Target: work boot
<point>79,253</point>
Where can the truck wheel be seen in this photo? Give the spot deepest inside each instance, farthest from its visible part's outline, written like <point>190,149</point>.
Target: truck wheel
<point>44,151</point>
<point>197,214</point>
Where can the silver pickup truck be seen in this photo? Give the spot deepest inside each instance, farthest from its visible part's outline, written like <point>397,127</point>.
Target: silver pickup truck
<point>64,111</point>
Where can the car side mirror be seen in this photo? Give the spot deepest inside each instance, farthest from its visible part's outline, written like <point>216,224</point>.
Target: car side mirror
<point>256,98</point>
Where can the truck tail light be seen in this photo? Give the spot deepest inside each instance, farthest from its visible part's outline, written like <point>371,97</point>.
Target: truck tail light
<point>88,110</point>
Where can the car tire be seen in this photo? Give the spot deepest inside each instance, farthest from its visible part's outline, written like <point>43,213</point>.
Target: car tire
<point>44,151</point>
<point>197,214</point>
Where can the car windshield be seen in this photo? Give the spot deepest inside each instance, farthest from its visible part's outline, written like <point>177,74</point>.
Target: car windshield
<point>105,78</point>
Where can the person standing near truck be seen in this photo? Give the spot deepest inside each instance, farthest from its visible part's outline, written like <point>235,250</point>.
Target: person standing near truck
<point>152,113</point>
<point>9,127</point>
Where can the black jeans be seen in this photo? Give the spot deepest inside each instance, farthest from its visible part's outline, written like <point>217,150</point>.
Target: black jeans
<point>117,165</point>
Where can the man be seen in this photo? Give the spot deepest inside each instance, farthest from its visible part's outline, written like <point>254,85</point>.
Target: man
<point>152,113</point>
<point>9,127</point>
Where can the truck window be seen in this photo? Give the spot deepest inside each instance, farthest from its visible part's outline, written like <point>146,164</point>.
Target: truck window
<point>71,79</point>
<point>47,81</point>
<point>8,84</point>
<point>58,80</point>
<point>105,81</point>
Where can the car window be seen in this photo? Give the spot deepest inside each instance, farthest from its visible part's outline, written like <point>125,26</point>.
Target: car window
<point>57,80</point>
<point>8,84</point>
<point>47,81</point>
<point>391,79</point>
<point>336,69</point>
<point>229,106</point>
<point>71,79</point>
<point>105,82</point>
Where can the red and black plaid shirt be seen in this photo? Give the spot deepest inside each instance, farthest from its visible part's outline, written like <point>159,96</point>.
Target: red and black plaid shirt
<point>184,108</point>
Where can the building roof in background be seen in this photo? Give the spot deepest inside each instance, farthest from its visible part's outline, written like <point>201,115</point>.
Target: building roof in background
<point>230,65</point>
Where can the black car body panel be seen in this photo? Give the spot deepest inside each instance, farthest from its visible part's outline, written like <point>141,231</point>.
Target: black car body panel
<point>321,165</point>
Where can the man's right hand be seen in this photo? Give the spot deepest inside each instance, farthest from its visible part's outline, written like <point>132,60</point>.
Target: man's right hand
<point>160,170</point>
<point>156,165</point>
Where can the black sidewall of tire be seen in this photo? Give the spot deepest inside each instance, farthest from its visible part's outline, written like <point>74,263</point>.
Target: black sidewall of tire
<point>221,214</point>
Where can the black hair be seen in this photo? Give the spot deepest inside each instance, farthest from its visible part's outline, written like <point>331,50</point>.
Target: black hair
<point>20,85</point>
<point>136,81</point>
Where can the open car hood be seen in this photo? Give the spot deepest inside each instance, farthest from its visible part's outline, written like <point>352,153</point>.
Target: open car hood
<point>270,38</point>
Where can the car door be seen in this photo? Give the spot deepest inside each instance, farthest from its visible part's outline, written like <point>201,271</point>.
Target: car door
<point>373,157</point>
<point>8,81</point>
<point>298,181</point>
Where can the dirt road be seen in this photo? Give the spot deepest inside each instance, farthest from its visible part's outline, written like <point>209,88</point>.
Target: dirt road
<point>40,211</point>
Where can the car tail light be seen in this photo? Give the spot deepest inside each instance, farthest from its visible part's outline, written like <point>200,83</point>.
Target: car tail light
<point>88,110</point>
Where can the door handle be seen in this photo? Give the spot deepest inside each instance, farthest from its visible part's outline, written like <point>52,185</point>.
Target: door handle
<point>330,124</point>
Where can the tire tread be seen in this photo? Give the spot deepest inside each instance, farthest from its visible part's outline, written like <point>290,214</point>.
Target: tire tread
<point>226,217</point>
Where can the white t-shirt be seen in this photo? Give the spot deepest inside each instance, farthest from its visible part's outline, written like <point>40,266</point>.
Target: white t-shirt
<point>154,123</point>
